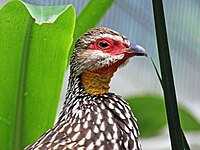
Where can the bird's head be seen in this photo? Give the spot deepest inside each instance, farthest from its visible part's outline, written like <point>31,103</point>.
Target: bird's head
<point>98,54</point>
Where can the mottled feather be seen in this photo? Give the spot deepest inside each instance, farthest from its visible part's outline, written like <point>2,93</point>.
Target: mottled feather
<point>91,121</point>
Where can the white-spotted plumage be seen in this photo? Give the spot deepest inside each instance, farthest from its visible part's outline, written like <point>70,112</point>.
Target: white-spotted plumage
<point>89,117</point>
<point>99,116</point>
<point>102,137</point>
<point>102,127</point>
<point>70,146</point>
<point>114,127</point>
<point>109,136</point>
<point>102,147</point>
<point>98,142</point>
<point>96,129</point>
<point>85,125</point>
<point>111,106</point>
<point>109,114</point>
<point>110,121</point>
<point>89,134</point>
<point>92,121</point>
<point>74,138</point>
<point>98,121</point>
<point>102,106</point>
<point>115,135</point>
<point>77,128</point>
<point>91,146</point>
<point>126,143</point>
<point>115,147</point>
<point>81,142</point>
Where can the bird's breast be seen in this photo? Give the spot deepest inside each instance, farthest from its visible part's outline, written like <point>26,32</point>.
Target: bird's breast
<point>105,124</point>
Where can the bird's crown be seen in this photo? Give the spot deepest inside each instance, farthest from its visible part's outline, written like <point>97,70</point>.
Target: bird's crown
<point>97,33</point>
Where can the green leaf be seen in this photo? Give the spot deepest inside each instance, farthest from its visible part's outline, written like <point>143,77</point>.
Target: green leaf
<point>90,17</point>
<point>33,60</point>
<point>151,115</point>
<point>188,121</point>
<point>45,14</point>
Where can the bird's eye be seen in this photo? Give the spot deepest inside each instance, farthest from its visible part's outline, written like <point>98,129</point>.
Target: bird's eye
<point>103,44</point>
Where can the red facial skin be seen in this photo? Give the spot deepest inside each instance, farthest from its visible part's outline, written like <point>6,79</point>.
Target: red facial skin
<point>114,48</point>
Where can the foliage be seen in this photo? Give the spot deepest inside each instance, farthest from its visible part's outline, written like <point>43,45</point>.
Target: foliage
<point>151,115</point>
<point>33,59</point>
<point>32,64</point>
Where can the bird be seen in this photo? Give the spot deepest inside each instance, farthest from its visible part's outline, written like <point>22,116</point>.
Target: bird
<point>93,117</point>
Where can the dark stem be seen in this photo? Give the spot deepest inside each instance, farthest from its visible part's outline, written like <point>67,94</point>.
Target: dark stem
<point>176,135</point>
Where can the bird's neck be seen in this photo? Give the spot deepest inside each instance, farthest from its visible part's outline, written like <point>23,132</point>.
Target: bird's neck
<point>84,89</point>
<point>95,82</point>
<point>87,84</point>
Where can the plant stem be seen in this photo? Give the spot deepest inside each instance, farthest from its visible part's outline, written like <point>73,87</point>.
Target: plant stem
<point>177,141</point>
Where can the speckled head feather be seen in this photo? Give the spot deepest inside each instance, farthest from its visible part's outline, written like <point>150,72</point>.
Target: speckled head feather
<point>96,33</point>
<point>92,117</point>
<point>81,61</point>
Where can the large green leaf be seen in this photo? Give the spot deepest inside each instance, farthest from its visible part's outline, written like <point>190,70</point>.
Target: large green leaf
<point>151,116</point>
<point>45,14</point>
<point>32,64</point>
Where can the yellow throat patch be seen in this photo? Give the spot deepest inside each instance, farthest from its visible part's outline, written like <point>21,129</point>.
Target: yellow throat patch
<point>96,83</point>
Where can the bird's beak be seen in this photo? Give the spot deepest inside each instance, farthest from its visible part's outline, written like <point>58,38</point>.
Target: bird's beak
<point>137,50</point>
